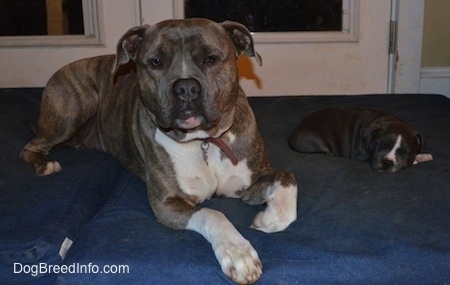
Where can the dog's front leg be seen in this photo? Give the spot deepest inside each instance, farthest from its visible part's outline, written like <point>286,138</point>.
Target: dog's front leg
<point>236,256</point>
<point>278,189</point>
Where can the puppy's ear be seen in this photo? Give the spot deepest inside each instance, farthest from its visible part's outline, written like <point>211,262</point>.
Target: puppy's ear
<point>420,142</point>
<point>128,45</point>
<point>371,131</point>
<point>242,39</point>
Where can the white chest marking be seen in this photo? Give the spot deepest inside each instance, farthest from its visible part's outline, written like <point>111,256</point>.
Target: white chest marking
<point>195,177</point>
<point>391,155</point>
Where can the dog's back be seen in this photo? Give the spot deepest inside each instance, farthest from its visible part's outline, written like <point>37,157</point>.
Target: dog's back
<point>332,131</point>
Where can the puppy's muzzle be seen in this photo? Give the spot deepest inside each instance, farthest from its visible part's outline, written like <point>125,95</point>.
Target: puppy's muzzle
<point>386,164</point>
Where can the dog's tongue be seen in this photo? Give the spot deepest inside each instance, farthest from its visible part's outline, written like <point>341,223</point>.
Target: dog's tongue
<point>190,123</point>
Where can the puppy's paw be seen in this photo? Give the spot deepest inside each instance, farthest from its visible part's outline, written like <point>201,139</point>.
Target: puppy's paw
<point>239,261</point>
<point>281,209</point>
<point>48,168</point>
<point>423,157</point>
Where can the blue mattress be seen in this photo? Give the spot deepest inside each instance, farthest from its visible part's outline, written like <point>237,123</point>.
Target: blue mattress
<point>355,225</point>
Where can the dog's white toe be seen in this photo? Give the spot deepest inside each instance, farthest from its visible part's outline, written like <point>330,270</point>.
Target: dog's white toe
<point>239,261</point>
<point>52,167</point>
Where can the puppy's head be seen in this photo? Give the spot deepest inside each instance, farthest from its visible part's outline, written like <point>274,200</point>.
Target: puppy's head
<point>393,146</point>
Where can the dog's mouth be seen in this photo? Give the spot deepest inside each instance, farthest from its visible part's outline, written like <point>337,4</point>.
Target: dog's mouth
<point>189,120</point>
<point>188,126</point>
<point>190,123</point>
<point>384,165</point>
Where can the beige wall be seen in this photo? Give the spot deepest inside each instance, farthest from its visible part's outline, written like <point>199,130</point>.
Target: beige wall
<point>436,34</point>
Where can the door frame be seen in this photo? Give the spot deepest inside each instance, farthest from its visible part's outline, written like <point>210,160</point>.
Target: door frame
<point>409,46</point>
<point>338,68</point>
<point>33,65</point>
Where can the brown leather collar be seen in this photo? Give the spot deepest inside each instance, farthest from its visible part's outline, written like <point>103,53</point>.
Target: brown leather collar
<point>220,144</point>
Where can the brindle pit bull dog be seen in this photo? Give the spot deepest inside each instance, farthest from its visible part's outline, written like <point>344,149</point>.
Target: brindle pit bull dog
<point>173,113</point>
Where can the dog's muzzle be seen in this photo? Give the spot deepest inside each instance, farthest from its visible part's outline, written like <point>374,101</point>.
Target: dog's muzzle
<point>187,93</point>
<point>383,164</point>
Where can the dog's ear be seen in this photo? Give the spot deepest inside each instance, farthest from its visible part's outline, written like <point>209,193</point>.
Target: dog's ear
<point>242,39</point>
<point>420,142</point>
<point>372,131</point>
<point>128,45</point>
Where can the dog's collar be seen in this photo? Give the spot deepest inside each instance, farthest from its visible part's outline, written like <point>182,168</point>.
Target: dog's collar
<point>220,144</point>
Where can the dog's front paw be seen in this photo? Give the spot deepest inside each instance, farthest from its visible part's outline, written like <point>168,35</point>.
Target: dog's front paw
<point>422,157</point>
<point>236,256</point>
<point>281,209</point>
<point>239,261</point>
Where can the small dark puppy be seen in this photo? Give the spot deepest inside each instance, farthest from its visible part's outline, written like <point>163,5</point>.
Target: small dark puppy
<point>378,136</point>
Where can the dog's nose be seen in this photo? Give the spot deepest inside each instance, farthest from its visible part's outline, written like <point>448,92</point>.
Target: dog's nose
<point>387,164</point>
<point>187,89</point>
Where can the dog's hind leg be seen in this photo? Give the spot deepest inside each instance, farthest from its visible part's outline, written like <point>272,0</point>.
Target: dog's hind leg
<point>35,153</point>
<point>278,190</point>
<point>64,111</point>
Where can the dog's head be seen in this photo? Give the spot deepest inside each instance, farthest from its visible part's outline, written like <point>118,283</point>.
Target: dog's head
<point>393,146</point>
<point>187,73</point>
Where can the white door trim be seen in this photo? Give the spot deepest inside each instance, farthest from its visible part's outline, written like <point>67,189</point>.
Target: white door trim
<point>409,46</point>
<point>392,46</point>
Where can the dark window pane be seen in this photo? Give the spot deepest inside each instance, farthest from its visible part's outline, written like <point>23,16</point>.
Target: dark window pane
<point>271,15</point>
<point>31,17</point>
<point>74,12</point>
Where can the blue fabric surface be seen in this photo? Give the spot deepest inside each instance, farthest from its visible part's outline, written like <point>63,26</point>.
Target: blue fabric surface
<point>355,225</point>
<point>321,248</point>
<point>38,213</point>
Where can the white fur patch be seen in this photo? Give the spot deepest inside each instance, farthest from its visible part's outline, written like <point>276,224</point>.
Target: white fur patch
<point>423,157</point>
<point>194,135</point>
<point>236,256</point>
<point>184,69</point>
<point>196,177</point>
<point>392,154</point>
<point>281,209</point>
<point>231,137</point>
<point>52,167</point>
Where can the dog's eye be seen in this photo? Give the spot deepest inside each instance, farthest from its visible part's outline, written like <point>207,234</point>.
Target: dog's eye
<point>157,63</point>
<point>210,60</point>
<point>401,151</point>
